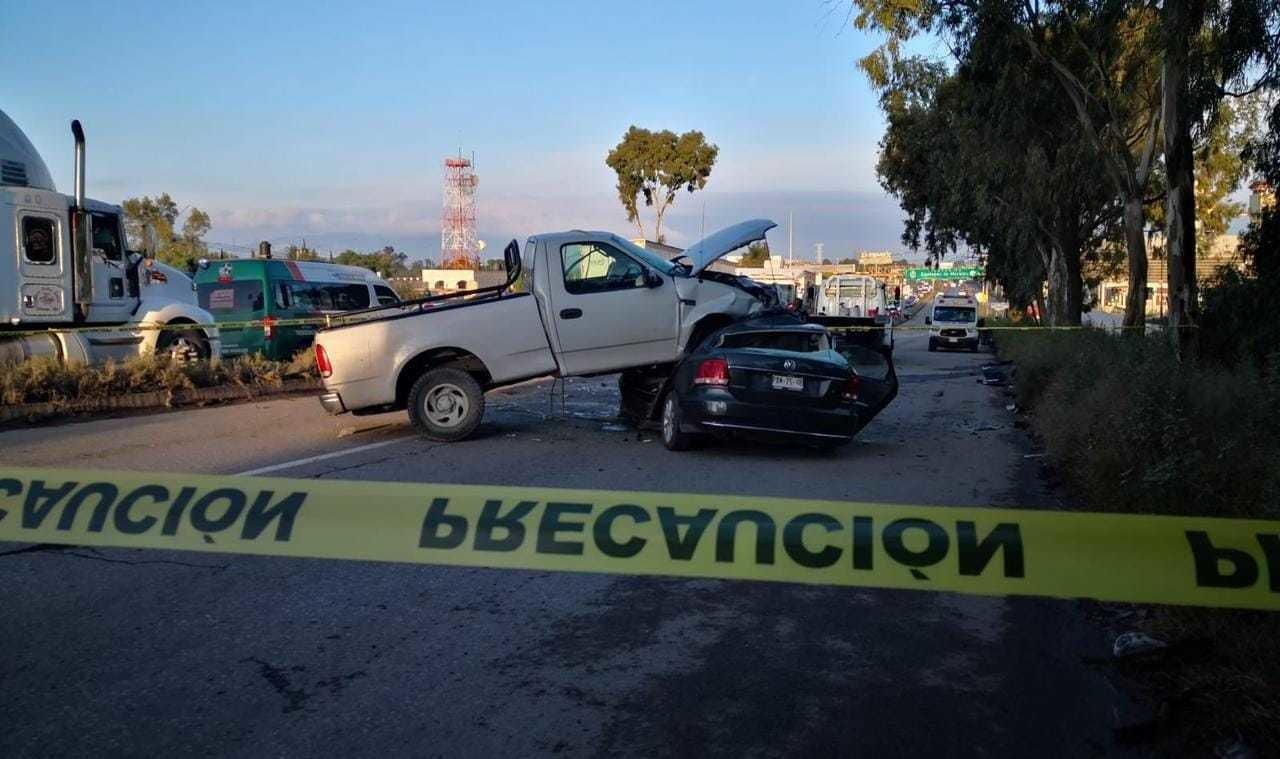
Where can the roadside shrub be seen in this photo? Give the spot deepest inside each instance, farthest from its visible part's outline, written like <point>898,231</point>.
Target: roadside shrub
<point>1133,429</point>
<point>303,364</point>
<point>1240,314</point>
<point>45,380</point>
<point>1240,320</point>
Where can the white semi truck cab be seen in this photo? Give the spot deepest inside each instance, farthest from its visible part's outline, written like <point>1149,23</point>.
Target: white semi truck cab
<point>855,295</point>
<point>69,288</point>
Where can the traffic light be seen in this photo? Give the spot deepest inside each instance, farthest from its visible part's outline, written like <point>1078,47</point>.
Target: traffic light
<point>897,292</point>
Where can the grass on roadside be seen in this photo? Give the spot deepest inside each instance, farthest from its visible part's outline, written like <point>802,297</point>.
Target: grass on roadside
<point>1131,428</point>
<point>47,380</point>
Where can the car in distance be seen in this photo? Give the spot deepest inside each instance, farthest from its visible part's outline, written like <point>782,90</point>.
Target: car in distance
<point>775,377</point>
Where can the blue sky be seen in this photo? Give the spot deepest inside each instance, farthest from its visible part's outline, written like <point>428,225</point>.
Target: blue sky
<point>329,121</point>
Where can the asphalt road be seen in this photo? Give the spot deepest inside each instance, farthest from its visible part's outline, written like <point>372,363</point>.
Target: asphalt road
<point>122,652</point>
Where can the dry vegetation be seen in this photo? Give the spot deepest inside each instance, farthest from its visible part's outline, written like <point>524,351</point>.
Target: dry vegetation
<point>46,380</point>
<point>1130,428</point>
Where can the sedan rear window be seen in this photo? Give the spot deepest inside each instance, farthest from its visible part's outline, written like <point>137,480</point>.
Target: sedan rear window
<point>796,342</point>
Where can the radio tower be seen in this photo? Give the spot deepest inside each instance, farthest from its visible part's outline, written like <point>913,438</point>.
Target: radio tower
<point>458,246</point>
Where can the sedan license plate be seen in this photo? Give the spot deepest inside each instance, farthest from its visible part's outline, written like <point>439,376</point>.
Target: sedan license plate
<point>783,382</point>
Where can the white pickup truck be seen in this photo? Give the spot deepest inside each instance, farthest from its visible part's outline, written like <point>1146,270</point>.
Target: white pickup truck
<point>576,303</point>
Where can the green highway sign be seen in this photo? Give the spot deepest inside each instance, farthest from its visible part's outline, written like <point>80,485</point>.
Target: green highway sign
<point>959,273</point>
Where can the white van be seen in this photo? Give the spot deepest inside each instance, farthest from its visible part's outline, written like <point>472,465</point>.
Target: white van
<point>953,322</point>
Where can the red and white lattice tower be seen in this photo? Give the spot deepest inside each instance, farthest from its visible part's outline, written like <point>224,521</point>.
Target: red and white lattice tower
<point>459,248</point>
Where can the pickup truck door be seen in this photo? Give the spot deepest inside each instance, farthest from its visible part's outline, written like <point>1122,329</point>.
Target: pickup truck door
<point>609,311</point>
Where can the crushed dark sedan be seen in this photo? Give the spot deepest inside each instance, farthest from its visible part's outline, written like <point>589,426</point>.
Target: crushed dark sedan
<point>775,378</point>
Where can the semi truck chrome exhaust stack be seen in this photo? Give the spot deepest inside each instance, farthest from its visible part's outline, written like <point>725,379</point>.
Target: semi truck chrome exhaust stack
<point>78,132</point>
<point>81,234</point>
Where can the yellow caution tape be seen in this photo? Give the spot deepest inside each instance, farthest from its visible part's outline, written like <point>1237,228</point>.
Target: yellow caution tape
<point>321,321</point>
<point>1112,557</point>
<point>171,327</point>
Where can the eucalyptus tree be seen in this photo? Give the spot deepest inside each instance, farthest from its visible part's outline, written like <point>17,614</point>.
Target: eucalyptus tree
<point>655,166</point>
<point>1147,76</point>
<point>989,156</point>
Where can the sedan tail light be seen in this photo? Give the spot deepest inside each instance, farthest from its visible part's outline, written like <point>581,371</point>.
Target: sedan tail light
<point>322,361</point>
<point>851,387</point>
<point>713,371</point>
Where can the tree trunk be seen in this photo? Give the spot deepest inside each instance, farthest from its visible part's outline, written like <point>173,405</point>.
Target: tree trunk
<point>1135,305</point>
<point>1065,300</point>
<point>1180,18</point>
<point>1073,296</point>
<point>1049,308</point>
<point>1067,252</point>
<point>657,227</point>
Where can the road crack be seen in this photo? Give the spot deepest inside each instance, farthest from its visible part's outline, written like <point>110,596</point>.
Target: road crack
<point>94,555</point>
<point>36,549</point>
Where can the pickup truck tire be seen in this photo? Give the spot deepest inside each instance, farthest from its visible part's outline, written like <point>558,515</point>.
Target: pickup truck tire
<point>672,437</point>
<point>446,404</point>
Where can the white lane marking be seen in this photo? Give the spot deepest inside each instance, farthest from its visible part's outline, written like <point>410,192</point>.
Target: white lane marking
<point>322,457</point>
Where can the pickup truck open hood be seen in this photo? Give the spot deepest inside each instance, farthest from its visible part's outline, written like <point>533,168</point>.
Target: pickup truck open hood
<point>714,246</point>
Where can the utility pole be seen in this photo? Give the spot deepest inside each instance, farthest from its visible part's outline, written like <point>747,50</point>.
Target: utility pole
<point>790,240</point>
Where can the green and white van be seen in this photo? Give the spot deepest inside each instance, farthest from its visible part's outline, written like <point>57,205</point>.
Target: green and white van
<point>275,290</point>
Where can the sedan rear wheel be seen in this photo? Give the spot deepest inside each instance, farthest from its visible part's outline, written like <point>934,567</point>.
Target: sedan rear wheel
<point>672,437</point>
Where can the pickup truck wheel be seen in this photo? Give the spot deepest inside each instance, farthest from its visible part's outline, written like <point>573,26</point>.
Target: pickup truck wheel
<point>446,404</point>
<point>672,437</point>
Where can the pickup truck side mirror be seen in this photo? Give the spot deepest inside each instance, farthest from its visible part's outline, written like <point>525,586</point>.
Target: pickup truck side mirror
<point>652,280</point>
<point>928,320</point>
<point>511,262</point>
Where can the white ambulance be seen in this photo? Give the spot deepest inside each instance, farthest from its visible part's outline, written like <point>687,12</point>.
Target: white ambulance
<point>953,322</point>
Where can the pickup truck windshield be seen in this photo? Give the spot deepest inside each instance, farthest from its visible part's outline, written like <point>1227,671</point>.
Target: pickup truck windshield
<point>953,314</point>
<point>652,261</point>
